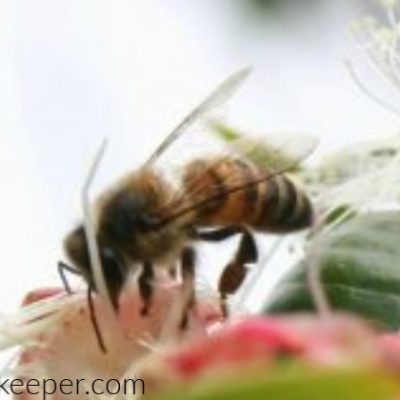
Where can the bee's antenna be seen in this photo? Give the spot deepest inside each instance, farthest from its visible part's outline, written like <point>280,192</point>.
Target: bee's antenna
<point>62,268</point>
<point>93,319</point>
<point>94,256</point>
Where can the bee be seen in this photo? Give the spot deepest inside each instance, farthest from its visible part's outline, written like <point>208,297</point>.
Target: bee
<point>146,220</point>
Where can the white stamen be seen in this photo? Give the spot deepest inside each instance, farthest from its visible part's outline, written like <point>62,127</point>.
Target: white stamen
<point>313,268</point>
<point>368,92</point>
<point>94,256</point>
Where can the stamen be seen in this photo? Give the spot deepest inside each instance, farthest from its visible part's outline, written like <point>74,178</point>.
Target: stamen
<point>94,256</point>
<point>387,106</point>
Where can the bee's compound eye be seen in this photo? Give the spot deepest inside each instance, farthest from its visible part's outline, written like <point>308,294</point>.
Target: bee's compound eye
<point>109,259</point>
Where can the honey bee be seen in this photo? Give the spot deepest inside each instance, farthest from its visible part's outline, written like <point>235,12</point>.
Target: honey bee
<point>146,220</point>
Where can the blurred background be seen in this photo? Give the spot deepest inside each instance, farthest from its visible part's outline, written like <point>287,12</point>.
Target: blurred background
<point>72,72</point>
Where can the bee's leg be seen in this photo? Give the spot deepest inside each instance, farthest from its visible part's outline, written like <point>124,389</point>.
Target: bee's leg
<point>235,272</point>
<point>146,284</point>
<point>62,267</point>
<point>216,235</point>
<point>188,261</point>
<point>173,272</point>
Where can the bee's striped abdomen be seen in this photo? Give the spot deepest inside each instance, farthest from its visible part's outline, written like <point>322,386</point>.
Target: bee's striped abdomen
<point>273,205</point>
<point>282,207</point>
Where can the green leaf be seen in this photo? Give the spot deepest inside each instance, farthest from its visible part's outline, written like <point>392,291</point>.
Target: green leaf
<point>360,271</point>
<point>298,384</point>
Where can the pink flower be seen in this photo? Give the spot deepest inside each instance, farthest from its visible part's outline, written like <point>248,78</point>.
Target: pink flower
<point>156,350</point>
<point>340,341</point>
<point>68,349</point>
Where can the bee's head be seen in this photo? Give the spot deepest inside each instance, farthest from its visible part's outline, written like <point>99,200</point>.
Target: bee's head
<point>127,216</point>
<point>112,263</point>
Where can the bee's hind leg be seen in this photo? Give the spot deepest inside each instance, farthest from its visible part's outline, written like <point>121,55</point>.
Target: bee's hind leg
<point>188,260</point>
<point>235,272</point>
<point>216,235</point>
<point>146,284</point>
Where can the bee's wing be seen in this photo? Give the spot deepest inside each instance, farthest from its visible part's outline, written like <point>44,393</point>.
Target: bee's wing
<point>267,157</point>
<point>278,151</point>
<point>221,94</point>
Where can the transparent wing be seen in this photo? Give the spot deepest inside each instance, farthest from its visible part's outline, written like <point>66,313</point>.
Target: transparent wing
<point>219,96</point>
<point>278,151</point>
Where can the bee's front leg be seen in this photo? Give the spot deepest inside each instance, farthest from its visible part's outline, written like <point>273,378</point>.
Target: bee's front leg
<point>146,284</point>
<point>62,268</point>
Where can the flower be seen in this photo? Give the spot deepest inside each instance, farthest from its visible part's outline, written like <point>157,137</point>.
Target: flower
<point>67,348</point>
<point>274,345</point>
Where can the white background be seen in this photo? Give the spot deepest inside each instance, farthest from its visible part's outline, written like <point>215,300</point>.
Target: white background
<point>72,72</point>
